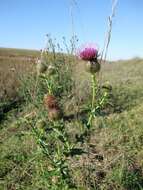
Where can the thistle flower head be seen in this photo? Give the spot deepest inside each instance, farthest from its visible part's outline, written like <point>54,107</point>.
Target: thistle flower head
<point>88,52</point>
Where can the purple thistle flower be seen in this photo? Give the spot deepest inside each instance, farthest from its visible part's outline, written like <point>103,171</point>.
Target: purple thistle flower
<point>88,52</point>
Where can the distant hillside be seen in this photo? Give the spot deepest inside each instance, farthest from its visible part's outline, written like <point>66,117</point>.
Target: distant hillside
<point>13,52</point>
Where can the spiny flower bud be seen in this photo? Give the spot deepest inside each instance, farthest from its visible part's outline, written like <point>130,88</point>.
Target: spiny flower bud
<point>92,66</point>
<point>41,66</point>
<point>107,86</point>
<point>51,70</point>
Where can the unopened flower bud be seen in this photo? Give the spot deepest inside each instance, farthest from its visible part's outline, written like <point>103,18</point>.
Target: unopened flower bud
<point>41,66</point>
<point>51,70</point>
<point>92,67</point>
<point>107,86</point>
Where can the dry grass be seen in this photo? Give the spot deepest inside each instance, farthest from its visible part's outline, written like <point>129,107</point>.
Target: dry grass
<point>13,65</point>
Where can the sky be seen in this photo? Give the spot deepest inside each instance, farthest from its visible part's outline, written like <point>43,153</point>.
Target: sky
<point>24,24</point>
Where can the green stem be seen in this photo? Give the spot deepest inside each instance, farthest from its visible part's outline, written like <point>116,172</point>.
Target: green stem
<point>93,99</point>
<point>49,86</point>
<point>93,90</point>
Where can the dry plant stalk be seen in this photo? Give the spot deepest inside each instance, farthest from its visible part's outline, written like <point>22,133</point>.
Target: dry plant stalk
<point>107,38</point>
<point>109,31</point>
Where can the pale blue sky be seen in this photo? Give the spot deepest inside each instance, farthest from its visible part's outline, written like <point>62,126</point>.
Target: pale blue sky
<point>24,24</point>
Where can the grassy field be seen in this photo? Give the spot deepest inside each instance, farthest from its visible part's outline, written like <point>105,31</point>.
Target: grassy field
<point>13,65</point>
<point>115,151</point>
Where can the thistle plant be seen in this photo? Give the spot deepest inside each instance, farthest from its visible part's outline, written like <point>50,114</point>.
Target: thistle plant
<point>53,80</point>
<point>89,54</point>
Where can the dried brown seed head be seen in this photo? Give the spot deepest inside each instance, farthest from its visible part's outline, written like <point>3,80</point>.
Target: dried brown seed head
<point>50,101</point>
<point>54,114</point>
